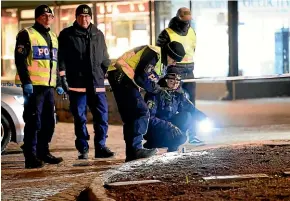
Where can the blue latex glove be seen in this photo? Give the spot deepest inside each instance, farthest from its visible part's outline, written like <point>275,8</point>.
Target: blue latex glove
<point>59,90</point>
<point>28,89</point>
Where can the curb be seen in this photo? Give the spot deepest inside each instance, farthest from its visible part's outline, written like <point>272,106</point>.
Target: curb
<point>95,192</point>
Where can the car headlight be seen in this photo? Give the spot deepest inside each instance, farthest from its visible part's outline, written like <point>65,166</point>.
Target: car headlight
<point>19,99</point>
<point>205,126</point>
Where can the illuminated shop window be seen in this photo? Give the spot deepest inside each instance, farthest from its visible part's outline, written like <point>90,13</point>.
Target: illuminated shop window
<point>9,30</point>
<point>209,23</point>
<point>264,37</point>
<point>212,50</point>
<point>124,24</point>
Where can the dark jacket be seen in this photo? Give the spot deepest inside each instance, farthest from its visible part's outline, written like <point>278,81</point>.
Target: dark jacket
<point>181,28</point>
<point>163,106</point>
<point>83,56</point>
<point>22,51</point>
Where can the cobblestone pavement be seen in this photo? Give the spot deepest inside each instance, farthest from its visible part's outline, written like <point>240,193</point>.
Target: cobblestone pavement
<point>56,182</point>
<point>66,180</point>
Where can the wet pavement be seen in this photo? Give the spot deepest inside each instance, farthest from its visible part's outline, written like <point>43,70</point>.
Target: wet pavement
<point>240,122</point>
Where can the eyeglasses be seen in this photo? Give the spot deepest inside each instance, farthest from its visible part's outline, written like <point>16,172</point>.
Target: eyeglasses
<point>84,16</point>
<point>47,16</point>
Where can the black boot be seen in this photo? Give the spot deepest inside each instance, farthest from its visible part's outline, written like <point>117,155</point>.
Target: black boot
<point>140,153</point>
<point>44,154</point>
<point>104,152</point>
<point>31,161</point>
<point>147,145</point>
<point>48,158</point>
<point>84,155</point>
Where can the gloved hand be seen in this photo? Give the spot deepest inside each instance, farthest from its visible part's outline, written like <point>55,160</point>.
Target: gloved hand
<point>64,83</point>
<point>175,131</point>
<point>28,89</point>
<point>59,90</point>
<point>165,93</point>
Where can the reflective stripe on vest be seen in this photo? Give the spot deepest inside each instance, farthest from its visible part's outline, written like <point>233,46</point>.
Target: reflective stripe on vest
<point>39,59</point>
<point>130,60</point>
<point>84,89</point>
<point>188,42</point>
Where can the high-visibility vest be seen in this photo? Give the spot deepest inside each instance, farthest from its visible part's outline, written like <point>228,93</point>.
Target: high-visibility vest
<point>130,60</point>
<point>39,59</point>
<point>188,42</point>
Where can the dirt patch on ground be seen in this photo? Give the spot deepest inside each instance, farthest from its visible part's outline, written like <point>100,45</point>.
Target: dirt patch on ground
<point>182,175</point>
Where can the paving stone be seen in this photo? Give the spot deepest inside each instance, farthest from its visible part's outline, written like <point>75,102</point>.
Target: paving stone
<point>287,173</point>
<point>235,177</point>
<point>126,183</point>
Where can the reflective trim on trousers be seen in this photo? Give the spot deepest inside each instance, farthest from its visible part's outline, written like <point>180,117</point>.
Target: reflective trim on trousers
<point>84,89</point>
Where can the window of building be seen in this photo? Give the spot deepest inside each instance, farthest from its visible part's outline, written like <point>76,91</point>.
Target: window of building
<point>212,49</point>
<point>209,20</point>
<point>9,30</point>
<point>68,15</point>
<point>264,37</point>
<point>124,24</point>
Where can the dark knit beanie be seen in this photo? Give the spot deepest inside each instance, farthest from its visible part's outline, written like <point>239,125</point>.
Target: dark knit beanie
<point>175,50</point>
<point>83,9</point>
<point>40,10</point>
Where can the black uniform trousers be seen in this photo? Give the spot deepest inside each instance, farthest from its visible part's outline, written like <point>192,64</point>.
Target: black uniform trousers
<point>39,120</point>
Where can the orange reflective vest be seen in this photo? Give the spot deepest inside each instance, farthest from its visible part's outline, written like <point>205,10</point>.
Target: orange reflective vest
<point>39,59</point>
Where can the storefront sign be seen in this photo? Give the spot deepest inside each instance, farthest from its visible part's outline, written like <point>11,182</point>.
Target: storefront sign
<point>243,4</point>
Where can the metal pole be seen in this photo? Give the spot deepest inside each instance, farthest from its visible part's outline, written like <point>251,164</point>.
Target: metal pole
<point>157,18</point>
<point>233,23</point>
<point>150,22</point>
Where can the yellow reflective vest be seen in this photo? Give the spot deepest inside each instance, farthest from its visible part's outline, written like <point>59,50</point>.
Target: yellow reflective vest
<point>130,60</point>
<point>39,58</point>
<point>188,42</point>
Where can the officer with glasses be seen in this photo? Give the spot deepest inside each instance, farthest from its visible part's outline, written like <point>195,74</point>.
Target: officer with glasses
<point>171,114</point>
<point>36,63</point>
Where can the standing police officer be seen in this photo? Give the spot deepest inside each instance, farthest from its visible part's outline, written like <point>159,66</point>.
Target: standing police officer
<point>36,62</point>
<point>135,69</point>
<point>180,30</point>
<point>83,62</point>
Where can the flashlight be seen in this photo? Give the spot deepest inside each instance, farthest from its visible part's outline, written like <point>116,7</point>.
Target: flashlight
<point>205,126</point>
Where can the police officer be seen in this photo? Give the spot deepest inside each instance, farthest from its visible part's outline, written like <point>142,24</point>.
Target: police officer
<point>36,63</point>
<point>171,114</point>
<point>136,69</point>
<point>83,62</point>
<point>180,30</point>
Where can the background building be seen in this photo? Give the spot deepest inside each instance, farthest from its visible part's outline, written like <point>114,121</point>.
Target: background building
<point>260,29</point>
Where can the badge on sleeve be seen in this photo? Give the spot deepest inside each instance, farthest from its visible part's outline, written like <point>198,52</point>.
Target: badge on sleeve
<point>20,49</point>
<point>150,104</point>
<point>149,68</point>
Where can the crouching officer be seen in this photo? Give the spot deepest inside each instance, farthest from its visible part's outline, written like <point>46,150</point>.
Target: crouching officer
<point>36,62</point>
<point>138,68</point>
<point>171,114</point>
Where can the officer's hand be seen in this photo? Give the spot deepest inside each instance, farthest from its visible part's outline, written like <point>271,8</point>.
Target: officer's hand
<point>59,90</point>
<point>28,89</point>
<point>164,93</point>
<point>175,131</point>
<point>64,83</point>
